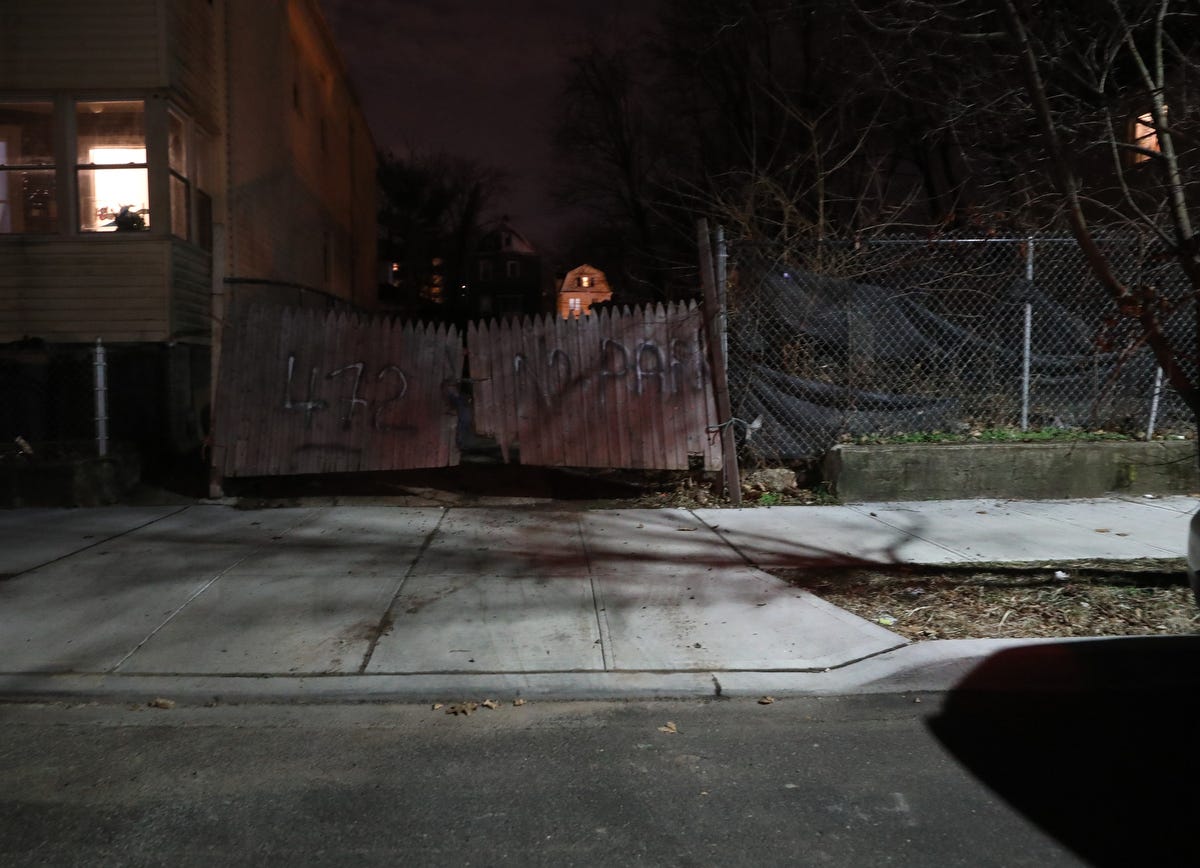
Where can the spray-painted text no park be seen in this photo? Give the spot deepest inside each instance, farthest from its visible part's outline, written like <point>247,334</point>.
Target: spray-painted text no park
<point>625,388</point>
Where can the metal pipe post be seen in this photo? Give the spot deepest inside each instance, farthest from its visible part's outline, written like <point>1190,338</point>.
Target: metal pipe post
<point>1025,354</point>
<point>1154,404</point>
<point>100,367</point>
<point>1028,341</point>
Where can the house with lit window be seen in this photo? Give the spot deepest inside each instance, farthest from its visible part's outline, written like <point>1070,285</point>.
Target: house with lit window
<point>504,276</point>
<point>163,162</point>
<point>581,288</point>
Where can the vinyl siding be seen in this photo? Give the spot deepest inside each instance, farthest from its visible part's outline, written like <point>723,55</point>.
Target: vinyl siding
<point>302,163</point>
<point>193,58</point>
<point>46,45</point>
<point>191,295</point>
<point>66,290</point>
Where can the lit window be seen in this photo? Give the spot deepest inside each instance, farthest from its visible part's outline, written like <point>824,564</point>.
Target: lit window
<point>575,305</point>
<point>111,166</point>
<point>585,280</point>
<point>27,188</point>
<point>1145,137</point>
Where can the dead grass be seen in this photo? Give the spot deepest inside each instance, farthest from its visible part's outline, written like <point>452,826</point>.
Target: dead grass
<point>955,604</point>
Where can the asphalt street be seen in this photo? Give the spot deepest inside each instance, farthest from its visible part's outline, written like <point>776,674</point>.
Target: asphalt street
<point>833,781</point>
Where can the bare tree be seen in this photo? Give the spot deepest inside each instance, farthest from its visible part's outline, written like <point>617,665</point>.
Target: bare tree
<point>1126,79</point>
<point>431,212</point>
<point>775,118</point>
<point>1085,113</point>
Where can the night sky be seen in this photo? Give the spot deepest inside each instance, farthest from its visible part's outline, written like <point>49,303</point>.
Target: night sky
<point>473,78</point>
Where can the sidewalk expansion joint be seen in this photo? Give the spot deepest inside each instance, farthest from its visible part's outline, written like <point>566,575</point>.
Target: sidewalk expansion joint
<point>171,617</point>
<point>387,620</point>
<point>598,605</point>
<point>862,510</point>
<point>716,529</point>
<point>99,542</point>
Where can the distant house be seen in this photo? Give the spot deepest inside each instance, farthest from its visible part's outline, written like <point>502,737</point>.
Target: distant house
<point>160,160</point>
<point>504,276</point>
<point>581,288</point>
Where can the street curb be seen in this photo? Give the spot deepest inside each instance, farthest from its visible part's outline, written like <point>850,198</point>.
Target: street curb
<point>926,667</point>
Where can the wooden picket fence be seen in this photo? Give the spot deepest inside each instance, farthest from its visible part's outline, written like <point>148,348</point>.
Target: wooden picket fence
<point>628,388</point>
<point>304,391</point>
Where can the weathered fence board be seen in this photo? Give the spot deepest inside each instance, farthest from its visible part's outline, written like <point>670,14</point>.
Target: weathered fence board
<point>613,389</point>
<point>314,392</point>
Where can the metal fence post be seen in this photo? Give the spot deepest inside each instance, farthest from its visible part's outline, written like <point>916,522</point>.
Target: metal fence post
<point>100,365</point>
<point>1025,354</point>
<point>1154,404</point>
<point>1028,341</point>
<point>712,308</point>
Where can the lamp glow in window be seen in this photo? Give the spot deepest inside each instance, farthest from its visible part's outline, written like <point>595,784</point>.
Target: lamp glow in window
<point>1145,136</point>
<point>111,170</point>
<point>122,196</point>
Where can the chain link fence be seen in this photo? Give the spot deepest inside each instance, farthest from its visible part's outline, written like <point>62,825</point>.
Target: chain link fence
<point>905,336</point>
<point>47,394</point>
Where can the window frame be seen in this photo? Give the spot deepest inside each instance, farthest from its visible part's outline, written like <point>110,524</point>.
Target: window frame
<point>199,146</point>
<point>18,171</point>
<point>79,167</point>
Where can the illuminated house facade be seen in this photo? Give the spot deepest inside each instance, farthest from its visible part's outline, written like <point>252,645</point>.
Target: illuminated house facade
<point>582,287</point>
<point>161,162</point>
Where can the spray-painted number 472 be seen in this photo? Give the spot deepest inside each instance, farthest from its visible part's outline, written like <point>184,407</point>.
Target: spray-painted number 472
<point>356,373</point>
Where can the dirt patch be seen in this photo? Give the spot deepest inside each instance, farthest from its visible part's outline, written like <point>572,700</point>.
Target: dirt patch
<point>974,603</point>
<point>491,484</point>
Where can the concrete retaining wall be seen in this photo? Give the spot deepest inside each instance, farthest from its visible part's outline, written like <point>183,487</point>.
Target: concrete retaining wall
<point>1018,470</point>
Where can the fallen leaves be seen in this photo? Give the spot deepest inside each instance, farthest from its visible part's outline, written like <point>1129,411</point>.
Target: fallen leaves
<point>766,700</point>
<point>465,708</point>
<point>1043,602</point>
<point>166,704</point>
<point>670,728</point>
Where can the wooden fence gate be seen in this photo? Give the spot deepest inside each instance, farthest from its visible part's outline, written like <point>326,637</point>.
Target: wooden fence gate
<point>313,392</point>
<point>304,391</point>
<point>612,389</point>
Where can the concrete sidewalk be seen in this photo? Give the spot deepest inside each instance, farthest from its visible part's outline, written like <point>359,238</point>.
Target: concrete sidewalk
<point>334,603</point>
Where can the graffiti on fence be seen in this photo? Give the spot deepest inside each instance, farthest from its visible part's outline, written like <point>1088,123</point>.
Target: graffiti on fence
<point>682,365</point>
<point>306,392</point>
<point>379,402</point>
<point>614,389</point>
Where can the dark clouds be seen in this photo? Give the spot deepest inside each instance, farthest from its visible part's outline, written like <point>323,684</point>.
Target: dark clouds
<point>473,78</point>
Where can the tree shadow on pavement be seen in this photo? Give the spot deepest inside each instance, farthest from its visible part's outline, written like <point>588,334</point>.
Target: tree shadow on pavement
<point>1094,741</point>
